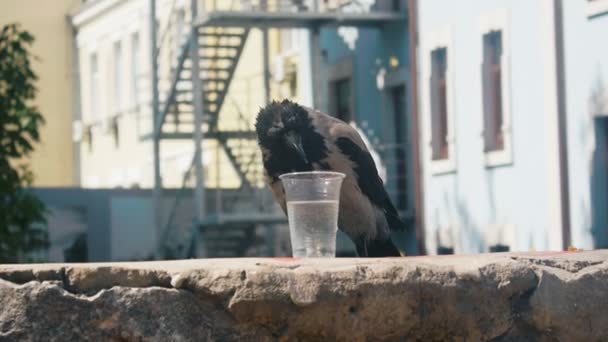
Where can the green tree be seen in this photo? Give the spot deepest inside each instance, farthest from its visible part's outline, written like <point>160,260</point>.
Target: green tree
<point>22,215</point>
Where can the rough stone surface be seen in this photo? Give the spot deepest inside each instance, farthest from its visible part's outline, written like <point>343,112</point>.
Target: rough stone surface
<point>499,297</point>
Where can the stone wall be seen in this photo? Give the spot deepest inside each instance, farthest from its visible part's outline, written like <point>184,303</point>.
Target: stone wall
<point>497,297</point>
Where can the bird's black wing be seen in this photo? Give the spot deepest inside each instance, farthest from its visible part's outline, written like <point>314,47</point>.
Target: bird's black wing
<point>369,181</point>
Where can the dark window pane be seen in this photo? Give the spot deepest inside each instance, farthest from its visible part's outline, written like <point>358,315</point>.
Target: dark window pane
<point>499,248</point>
<point>342,100</point>
<point>439,103</point>
<point>398,99</point>
<point>492,91</point>
<point>445,250</point>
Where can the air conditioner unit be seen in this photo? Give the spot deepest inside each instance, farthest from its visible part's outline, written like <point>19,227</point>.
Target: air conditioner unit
<point>278,74</point>
<point>77,131</point>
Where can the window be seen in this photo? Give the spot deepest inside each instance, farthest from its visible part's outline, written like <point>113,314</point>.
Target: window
<point>94,88</point>
<point>495,84</point>
<point>399,110</point>
<point>341,90</point>
<point>289,41</point>
<point>135,60</point>
<point>118,72</point>
<point>492,91</point>
<point>438,95</point>
<point>439,104</point>
<point>341,103</point>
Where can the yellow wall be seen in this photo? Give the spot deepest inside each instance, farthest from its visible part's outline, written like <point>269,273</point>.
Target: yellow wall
<point>53,160</point>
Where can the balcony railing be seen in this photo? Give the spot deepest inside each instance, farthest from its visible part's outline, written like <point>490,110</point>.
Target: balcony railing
<point>297,13</point>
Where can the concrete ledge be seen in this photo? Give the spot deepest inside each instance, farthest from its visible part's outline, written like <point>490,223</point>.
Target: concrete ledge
<point>498,297</point>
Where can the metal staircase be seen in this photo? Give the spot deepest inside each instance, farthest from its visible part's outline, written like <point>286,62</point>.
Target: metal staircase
<point>219,53</point>
<point>220,34</point>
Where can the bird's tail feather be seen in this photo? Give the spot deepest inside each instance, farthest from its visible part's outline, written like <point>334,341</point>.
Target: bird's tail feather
<point>382,248</point>
<point>395,223</point>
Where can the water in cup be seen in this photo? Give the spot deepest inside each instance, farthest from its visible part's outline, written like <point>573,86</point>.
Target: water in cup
<point>313,226</point>
<point>312,210</point>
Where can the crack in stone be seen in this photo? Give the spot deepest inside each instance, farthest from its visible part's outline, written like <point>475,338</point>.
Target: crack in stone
<point>64,286</point>
<point>571,266</point>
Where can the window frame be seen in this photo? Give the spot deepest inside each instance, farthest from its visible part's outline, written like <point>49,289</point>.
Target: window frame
<point>292,37</point>
<point>439,39</point>
<point>596,8</point>
<point>498,20</point>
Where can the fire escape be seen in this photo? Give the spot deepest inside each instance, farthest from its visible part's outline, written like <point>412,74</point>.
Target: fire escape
<point>194,95</point>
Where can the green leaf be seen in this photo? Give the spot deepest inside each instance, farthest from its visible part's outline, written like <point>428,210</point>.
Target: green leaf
<point>22,215</point>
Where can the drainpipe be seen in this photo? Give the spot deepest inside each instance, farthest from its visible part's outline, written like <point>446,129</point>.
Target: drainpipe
<point>198,136</point>
<point>266,60</point>
<point>157,192</point>
<point>562,123</point>
<point>412,17</point>
<point>76,106</point>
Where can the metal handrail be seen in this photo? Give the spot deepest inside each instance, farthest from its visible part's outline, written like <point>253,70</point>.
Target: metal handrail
<point>165,33</point>
<point>282,6</point>
<point>185,49</point>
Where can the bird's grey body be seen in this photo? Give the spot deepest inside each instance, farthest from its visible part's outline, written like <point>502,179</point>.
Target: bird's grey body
<point>365,214</point>
<point>357,216</point>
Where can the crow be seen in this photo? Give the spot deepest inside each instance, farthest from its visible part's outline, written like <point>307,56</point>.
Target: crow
<point>294,138</point>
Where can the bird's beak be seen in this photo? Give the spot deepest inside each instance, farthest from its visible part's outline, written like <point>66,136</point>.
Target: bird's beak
<point>295,140</point>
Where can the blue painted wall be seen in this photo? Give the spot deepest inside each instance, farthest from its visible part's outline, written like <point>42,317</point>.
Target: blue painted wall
<point>474,197</point>
<point>586,62</point>
<point>372,52</point>
<point>364,57</point>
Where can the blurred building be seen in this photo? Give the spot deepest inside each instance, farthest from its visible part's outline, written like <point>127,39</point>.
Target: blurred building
<point>513,131</point>
<point>364,76</point>
<point>216,64</point>
<point>114,130</point>
<point>490,120</point>
<point>585,104</point>
<point>290,65</point>
<point>53,161</point>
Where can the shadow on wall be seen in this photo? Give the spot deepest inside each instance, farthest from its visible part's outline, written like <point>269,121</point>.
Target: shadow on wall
<point>599,184</point>
<point>466,236</point>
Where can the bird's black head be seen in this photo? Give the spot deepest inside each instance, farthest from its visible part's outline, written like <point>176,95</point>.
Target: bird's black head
<point>283,124</point>
<point>279,118</point>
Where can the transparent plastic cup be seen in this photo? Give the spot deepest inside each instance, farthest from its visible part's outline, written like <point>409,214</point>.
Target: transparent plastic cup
<point>313,199</point>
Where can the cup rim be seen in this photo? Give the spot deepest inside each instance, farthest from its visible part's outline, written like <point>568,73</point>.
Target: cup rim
<point>301,173</point>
